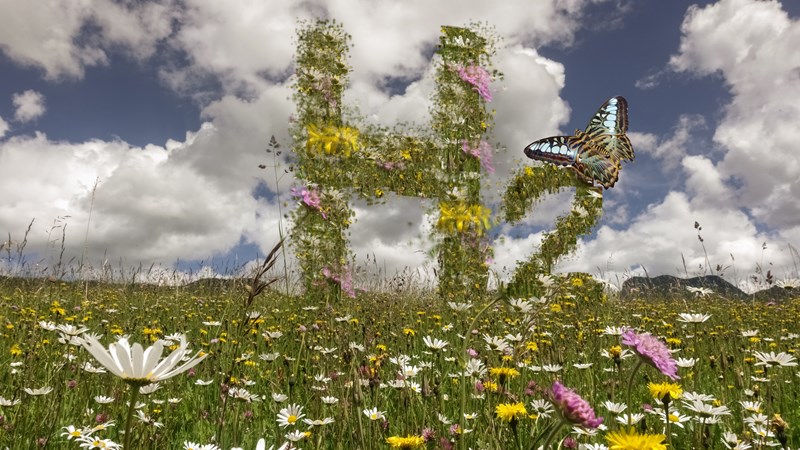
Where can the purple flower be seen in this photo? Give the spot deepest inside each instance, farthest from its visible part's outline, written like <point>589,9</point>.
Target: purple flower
<point>574,408</point>
<point>310,198</point>
<point>483,152</point>
<point>652,351</point>
<point>344,281</point>
<point>478,77</point>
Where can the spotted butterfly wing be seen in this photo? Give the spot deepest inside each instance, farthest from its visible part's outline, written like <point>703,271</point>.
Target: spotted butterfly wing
<point>590,165</point>
<point>607,129</point>
<point>561,150</point>
<point>597,167</point>
<point>594,153</point>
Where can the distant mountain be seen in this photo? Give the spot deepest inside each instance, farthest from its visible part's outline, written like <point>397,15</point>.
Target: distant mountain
<point>668,286</point>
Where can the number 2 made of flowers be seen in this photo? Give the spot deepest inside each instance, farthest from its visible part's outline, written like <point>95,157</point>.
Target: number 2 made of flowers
<point>528,185</point>
<point>336,158</point>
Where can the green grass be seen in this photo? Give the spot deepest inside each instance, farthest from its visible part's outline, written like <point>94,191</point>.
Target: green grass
<point>317,340</point>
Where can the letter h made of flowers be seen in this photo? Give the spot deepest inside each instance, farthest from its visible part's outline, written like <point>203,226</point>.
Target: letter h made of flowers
<point>338,156</point>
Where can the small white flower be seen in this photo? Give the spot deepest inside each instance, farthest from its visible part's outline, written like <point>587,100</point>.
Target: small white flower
<point>290,415</point>
<point>789,283</point>
<point>757,419</point>
<point>475,368</point>
<point>329,400</point>
<point>269,356</point>
<point>693,318</point>
<point>374,414</point>
<point>751,407</point>
<point>524,306</point>
<point>150,388</point>
<point>408,371</point>
<point>6,402</point>
<point>699,291</point>
<point>592,446</point>
<point>356,346</point>
<point>630,419</point>
<point>615,408</point>
<point>136,365</point>
<point>495,343</point>
<point>513,337</point>
<point>542,408</point>
<point>433,343</point>
<point>295,435</point>
<point>144,418</point>
<point>552,368</point>
<point>772,359</point>
<point>319,422</point>
<point>70,432</point>
<point>686,362</point>
<point>49,326</point>
<point>705,410</point>
<point>695,396</point>
<point>93,442</point>
<point>243,394</point>
<point>614,331</point>
<point>459,306</point>
<point>71,330</point>
<point>41,391</point>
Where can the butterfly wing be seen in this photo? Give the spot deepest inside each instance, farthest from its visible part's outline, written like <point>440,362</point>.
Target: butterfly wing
<point>607,129</point>
<point>593,166</point>
<point>561,150</point>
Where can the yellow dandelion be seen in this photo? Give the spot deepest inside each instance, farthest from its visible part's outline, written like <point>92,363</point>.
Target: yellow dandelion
<point>503,372</point>
<point>661,391</point>
<point>631,440</point>
<point>490,386</point>
<point>510,411</point>
<point>405,442</point>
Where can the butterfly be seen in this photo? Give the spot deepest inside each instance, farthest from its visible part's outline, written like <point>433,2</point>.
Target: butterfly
<point>596,152</point>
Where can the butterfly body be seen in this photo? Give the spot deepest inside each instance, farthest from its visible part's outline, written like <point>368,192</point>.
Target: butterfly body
<point>594,153</point>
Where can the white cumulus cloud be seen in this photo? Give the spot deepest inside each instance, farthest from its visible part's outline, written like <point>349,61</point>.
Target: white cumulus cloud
<point>64,37</point>
<point>753,46</point>
<point>29,105</point>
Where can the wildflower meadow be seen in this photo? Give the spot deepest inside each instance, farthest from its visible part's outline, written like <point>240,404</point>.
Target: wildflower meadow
<point>392,369</point>
<point>327,359</point>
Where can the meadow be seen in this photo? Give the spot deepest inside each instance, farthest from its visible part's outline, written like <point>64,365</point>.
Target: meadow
<point>396,368</point>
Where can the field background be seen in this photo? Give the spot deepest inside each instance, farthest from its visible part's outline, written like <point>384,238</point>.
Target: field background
<point>284,344</point>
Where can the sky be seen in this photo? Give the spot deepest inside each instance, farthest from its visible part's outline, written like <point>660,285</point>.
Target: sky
<point>131,132</point>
